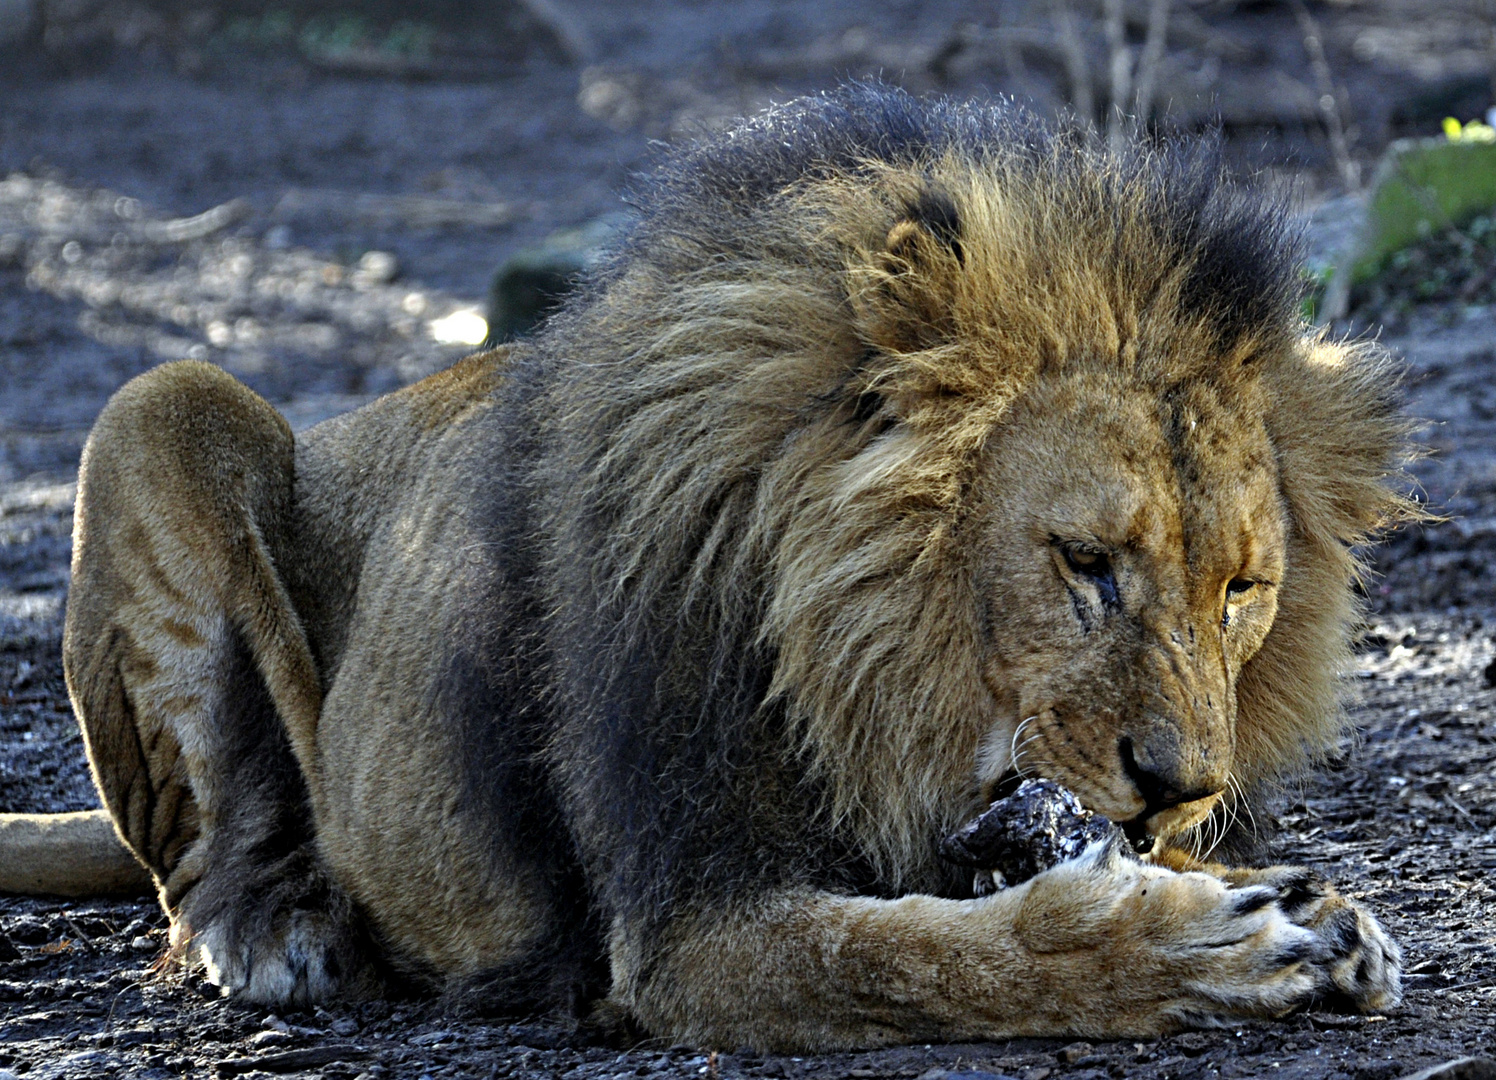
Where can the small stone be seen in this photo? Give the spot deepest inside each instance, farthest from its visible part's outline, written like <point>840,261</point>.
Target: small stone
<point>142,944</point>
<point>83,1064</point>
<point>344,1026</point>
<point>8,950</point>
<point>263,1039</point>
<point>375,268</point>
<point>1194,1043</point>
<point>1074,1052</point>
<point>1372,1069</point>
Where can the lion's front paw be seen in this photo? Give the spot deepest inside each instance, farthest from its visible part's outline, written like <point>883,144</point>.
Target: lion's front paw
<point>1363,965</point>
<point>1160,950</point>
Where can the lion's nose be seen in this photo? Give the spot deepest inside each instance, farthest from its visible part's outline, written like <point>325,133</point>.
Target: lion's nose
<point>1160,781</point>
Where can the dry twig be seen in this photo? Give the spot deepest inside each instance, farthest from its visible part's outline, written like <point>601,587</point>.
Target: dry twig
<point>1153,57</point>
<point>1132,79</point>
<point>1120,69</point>
<point>1332,103</point>
<point>1082,96</point>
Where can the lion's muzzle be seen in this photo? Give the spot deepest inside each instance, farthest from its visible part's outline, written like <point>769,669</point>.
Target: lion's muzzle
<point>1168,782</point>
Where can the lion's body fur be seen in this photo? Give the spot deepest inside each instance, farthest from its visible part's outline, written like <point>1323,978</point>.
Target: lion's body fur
<point>679,635</point>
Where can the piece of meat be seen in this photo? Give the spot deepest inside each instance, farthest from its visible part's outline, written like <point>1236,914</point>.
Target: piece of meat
<point>1039,826</point>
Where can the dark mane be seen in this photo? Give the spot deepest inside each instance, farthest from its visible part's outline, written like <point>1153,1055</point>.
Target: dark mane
<point>1245,247</point>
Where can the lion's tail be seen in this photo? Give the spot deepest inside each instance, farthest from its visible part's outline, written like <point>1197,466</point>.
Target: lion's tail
<point>75,855</point>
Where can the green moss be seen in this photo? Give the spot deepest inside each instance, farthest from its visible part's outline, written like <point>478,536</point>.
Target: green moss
<point>1452,264</point>
<point>1423,188</point>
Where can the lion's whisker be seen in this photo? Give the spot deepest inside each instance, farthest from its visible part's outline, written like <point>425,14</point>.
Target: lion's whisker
<point>1241,799</point>
<point>1221,819</point>
<point>1015,747</point>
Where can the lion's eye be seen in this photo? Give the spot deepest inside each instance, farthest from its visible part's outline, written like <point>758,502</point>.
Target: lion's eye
<point>1090,563</point>
<point>1236,589</point>
<point>1095,567</point>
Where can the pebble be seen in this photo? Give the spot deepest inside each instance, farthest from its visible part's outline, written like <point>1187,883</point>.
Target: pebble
<point>142,944</point>
<point>1074,1052</point>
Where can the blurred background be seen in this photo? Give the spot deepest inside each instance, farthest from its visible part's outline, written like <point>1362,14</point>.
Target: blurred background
<point>320,195</point>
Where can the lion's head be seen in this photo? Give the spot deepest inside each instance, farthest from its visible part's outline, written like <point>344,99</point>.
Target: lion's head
<point>1016,455</point>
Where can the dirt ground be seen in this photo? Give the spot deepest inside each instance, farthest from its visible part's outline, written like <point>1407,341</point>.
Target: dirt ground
<point>309,224</point>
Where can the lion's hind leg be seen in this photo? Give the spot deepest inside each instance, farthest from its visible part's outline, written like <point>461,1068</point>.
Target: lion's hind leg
<point>194,683</point>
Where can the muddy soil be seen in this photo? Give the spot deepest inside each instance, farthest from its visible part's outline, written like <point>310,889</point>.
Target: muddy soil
<point>311,231</point>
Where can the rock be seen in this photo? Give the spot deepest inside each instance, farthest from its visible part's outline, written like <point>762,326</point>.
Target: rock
<point>374,268</point>
<point>1194,1043</point>
<point>292,1060</point>
<point>1465,1068</point>
<point>1037,827</point>
<point>1421,186</point>
<point>532,283</point>
<point>8,950</point>
<point>1074,1052</point>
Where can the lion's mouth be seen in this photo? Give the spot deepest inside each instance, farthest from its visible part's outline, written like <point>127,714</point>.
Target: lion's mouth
<point>1138,835</point>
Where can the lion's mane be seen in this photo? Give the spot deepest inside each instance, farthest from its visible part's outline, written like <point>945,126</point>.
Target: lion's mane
<point>751,444</point>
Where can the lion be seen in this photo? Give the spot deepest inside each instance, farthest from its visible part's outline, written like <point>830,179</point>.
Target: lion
<point>903,449</point>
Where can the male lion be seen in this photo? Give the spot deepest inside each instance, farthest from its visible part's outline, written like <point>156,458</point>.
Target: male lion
<point>902,449</point>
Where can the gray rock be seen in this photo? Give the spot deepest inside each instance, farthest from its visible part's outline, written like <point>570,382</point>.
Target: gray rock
<point>533,282</point>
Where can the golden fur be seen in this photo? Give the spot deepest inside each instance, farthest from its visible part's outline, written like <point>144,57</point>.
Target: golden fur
<point>902,450</point>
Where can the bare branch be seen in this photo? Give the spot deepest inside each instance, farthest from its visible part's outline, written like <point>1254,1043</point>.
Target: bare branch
<point>1153,55</point>
<point>1330,103</point>
<point>1082,95</point>
<point>1120,70</point>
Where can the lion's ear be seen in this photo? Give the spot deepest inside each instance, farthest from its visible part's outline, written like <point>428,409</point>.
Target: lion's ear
<point>914,276</point>
<point>929,232</point>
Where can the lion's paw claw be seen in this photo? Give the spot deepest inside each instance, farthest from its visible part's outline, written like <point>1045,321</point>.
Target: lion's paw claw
<point>1361,965</point>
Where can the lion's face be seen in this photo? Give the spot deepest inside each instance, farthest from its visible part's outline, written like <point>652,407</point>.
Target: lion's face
<point>1129,550</point>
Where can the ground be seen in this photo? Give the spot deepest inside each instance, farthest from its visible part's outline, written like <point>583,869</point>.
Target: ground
<point>351,209</point>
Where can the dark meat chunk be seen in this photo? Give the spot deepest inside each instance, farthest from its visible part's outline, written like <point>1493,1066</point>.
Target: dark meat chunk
<point>1039,826</point>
